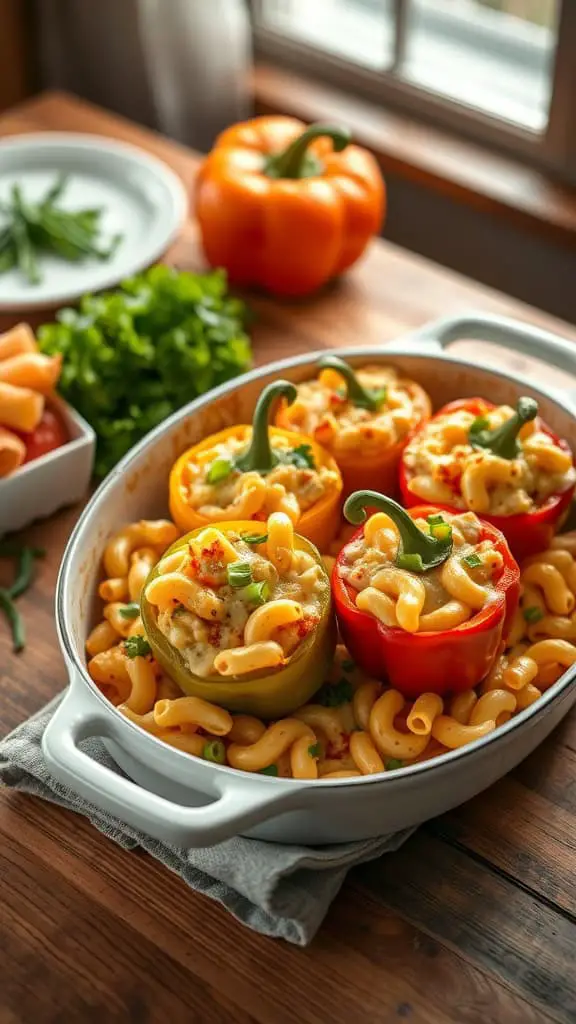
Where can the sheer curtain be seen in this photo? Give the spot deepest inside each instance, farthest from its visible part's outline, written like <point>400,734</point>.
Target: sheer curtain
<point>181,66</point>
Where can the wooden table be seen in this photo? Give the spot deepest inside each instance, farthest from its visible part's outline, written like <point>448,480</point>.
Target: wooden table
<point>474,920</point>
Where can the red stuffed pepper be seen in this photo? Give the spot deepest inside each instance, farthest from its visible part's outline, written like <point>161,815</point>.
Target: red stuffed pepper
<point>424,600</point>
<point>507,466</point>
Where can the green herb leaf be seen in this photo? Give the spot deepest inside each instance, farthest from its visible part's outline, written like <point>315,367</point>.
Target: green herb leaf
<point>256,593</point>
<point>130,611</point>
<point>472,560</point>
<point>219,470</point>
<point>214,750</point>
<point>301,457</point>
<point>272,769</point>
<point>135,354</point>
<point>255,538</point>
<point>239,574</point>
<point>392,763</point>
<point>315,750</point>
<point>532,614</point>
<point>332,695</point>
<point>136,647</point>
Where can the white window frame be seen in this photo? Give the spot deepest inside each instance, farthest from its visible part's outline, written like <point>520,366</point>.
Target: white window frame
<point>553,150</point>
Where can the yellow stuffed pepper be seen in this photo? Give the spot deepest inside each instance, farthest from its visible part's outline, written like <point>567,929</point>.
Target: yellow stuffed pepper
<point>248,472</point>
<point>242,619</point>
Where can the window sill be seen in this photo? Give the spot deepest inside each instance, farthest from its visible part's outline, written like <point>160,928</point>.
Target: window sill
<point>467,172</point>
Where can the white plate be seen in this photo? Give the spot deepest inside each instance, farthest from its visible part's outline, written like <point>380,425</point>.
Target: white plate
<point>142,199</point>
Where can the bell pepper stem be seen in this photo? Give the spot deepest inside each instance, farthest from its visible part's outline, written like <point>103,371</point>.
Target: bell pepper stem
<point>259,455</point>
<point>418,552</point>
<point>356,393</point>
<point>296,162</point>
<point>503,440</point>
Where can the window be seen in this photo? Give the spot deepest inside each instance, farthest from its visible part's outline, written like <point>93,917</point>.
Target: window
<point>498,70</point>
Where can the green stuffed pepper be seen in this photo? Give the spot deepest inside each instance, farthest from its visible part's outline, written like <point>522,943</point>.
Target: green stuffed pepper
<point>241,615</point>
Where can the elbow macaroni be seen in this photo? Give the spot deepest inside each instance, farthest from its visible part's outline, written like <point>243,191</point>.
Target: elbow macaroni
<point>373,729</point>
<point>438,599</point>
<point>444,468</point>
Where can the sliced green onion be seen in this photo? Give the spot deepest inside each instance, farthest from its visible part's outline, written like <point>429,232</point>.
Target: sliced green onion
<point>480,423</point>
<point>315,750</point>
<point>239,574</point>
<point>130,611</point>
<point>392,764</point>
<point>436,518</point>
<point>256,593</point>
<point>136,646</point>
<point>441,531</point>
<point>255,538</point>
<point>472,560</point>
<point>533,614</point>
<point>272,769</point>
<point>411,562</point>
<point>215,751</point>
<point>219,470</point>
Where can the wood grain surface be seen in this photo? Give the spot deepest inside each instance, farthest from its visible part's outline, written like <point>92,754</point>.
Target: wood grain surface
<point>472,922</point>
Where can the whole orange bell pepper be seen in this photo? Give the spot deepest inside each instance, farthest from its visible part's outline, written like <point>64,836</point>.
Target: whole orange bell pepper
<point>319,523</point>
<point>287,207</point>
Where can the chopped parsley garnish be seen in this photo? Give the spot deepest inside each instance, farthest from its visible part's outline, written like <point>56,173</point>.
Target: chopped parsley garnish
<point>533,614</point>
<point>315,750</point>
<point>272,769</point>
<point>130,611</point>
<point>331,695</point>
<point>392,763</point>
<point>136,646</point>
<point>255,538</point>
<point>219,470</point>
<point>472,560</point>
<point>301,457</point>
<point>239,574</point>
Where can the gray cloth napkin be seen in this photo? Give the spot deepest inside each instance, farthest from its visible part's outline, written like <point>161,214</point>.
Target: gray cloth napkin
<point>282,891</point>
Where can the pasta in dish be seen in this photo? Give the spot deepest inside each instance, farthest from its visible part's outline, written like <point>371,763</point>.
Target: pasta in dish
<point>353,726</point>
<point>480,457</point>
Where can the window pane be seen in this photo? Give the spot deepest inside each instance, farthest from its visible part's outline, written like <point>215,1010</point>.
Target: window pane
<point>361,31</point>
<point>495,55</point>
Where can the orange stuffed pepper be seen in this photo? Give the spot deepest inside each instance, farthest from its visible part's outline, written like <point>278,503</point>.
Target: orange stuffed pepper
<point>248,472</point>
<point>287,207</point>
<point>364,418</point>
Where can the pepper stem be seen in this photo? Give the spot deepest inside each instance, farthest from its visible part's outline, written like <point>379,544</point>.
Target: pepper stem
<point>363,398</point>
<point>296,162</point>
<point>503,440</point>
<point>418,552</point>
<point>259,455</point>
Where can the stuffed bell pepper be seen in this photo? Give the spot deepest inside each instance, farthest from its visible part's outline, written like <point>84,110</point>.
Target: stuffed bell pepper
<point>364,418</point>
<point>241,615</point>
<point>424,599</point>
<point>504,464</point>
<point>249,472</point>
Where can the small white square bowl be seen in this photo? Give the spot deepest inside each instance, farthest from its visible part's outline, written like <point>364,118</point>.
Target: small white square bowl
<point>52,481</point>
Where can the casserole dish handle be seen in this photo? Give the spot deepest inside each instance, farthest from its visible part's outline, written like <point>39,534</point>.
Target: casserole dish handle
<point>500,330</point>
<point>240,802</point>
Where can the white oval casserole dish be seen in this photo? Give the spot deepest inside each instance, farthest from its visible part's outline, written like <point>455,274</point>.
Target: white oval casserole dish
<point>190,802</point>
